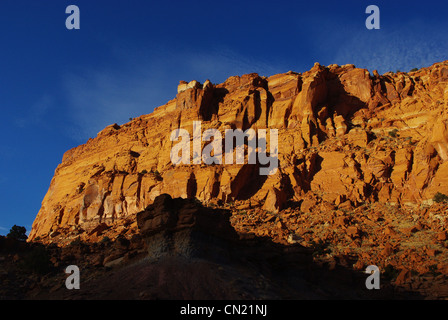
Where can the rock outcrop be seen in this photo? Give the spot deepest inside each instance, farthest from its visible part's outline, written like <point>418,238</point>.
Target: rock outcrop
<point>343,135</point>
<point>183,227</point>
<point>183,251</point>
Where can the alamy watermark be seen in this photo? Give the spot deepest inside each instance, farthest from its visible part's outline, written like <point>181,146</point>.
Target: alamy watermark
<point>72,281</point>
<point>373,20</point>
<point>73,21</point>
<point>373,281</point>
<point>213,151</point>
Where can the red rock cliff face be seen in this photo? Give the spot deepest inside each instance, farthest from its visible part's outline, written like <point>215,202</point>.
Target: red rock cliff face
<point>343,134</point>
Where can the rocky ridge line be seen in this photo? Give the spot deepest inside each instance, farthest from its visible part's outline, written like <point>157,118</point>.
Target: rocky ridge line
<point>344,135</point>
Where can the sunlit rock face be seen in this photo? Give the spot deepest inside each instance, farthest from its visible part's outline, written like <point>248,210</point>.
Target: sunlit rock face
<point>344,134</point>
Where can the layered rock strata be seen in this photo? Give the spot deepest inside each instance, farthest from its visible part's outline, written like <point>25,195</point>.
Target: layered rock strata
<point>344,134</point>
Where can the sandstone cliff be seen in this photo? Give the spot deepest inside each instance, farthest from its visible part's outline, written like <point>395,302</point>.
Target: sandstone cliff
<point>344,135</point>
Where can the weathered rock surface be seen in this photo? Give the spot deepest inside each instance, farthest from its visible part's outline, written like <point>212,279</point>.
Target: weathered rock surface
<point>183,251</point>
<point>344,135</point>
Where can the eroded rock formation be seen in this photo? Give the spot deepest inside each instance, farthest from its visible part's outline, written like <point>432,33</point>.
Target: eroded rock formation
<point>344,135</point>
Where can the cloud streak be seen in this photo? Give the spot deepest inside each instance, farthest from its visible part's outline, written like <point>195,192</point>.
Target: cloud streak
<point>135,85</point>
<point>391,49</point>
<point>36,112</point>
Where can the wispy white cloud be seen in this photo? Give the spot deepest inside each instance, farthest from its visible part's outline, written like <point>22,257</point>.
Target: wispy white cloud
<point>36,112</point>
<point>137,84</point>
<point>98,98</point>
<point>413,44</point>
<point>222,63</point>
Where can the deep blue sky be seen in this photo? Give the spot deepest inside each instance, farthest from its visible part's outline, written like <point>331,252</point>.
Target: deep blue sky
<point>59,87</point>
